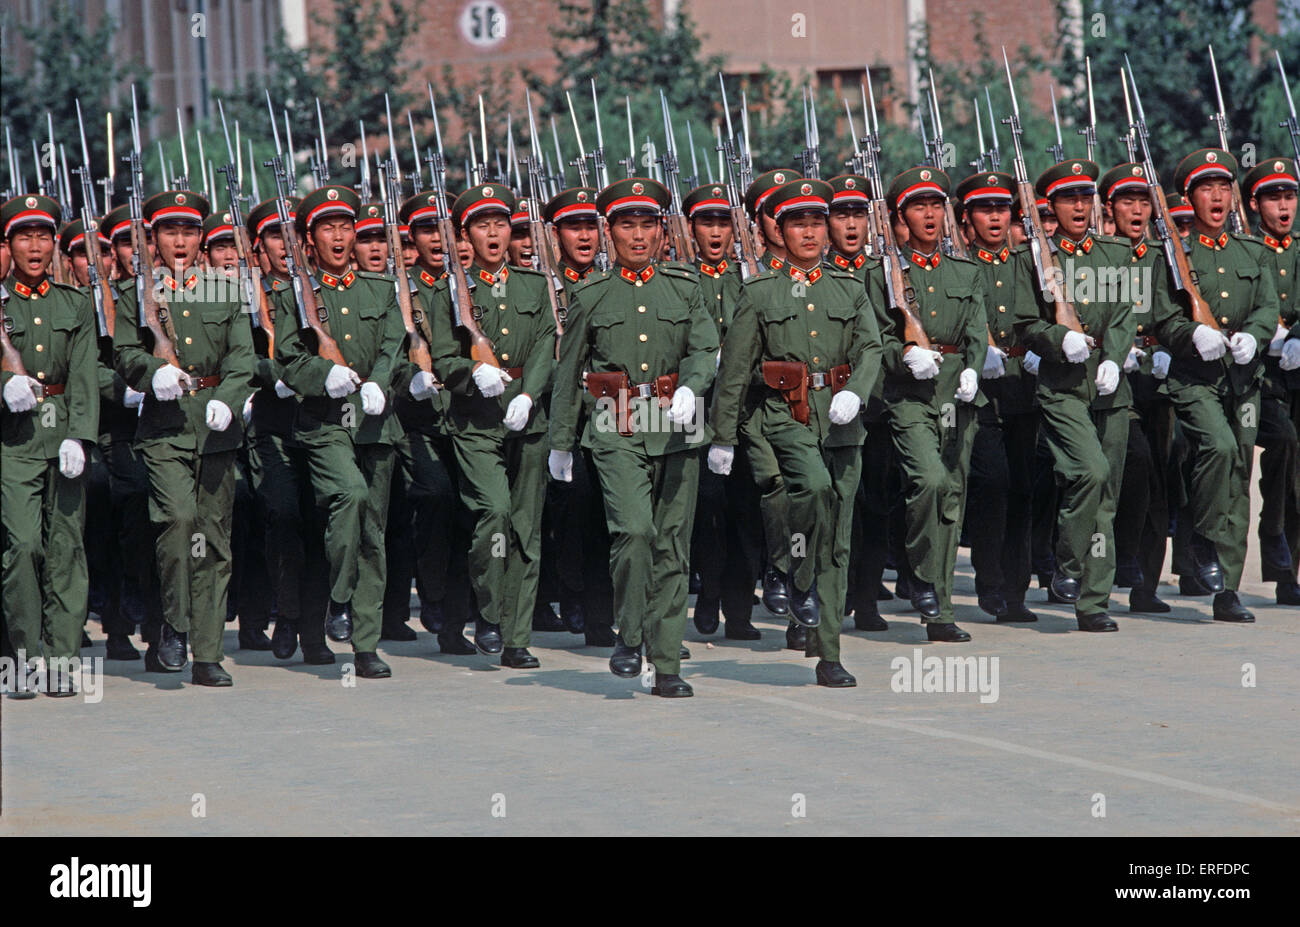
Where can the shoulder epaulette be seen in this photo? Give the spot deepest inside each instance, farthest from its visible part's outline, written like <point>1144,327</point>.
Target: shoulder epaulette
<point>374,275</point>
<point>515,269</point>
<point>678,269</point>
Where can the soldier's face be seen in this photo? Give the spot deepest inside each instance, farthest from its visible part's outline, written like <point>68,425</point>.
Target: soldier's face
<point>409,254</point>
<point>464,251</point>
<point>771,234</point>
<point>489,236</point>
<point>1276,210</point>
<point>990,224</point>
<point>805,238</point>
<point>1211,200</point>
<point>1049,223</point>
<point>80,267</point>
<point>1132,212</point>
<point>122,253</point>
<point>5,260</point>
<point>848,229</point>
<point>223,256</point>
<point>332,240</point>
<point>924,219</point>
<point>521,246</point>
<point>105,260</point>
<point>713,236</point>
<point>428,246</point>
<point>371,252</point>
<point>637,239</point>
<point>31,250</point>
<point>1073,211</point>
<point>177,244</point>
<point>1017,234</point>
<point>578,239</point>
<point>273,247</point>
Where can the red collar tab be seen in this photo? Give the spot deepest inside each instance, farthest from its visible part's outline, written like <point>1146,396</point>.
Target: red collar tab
<point>571,275</point>
<point>775,263</point>
<point>714,270</point>
<point>492,279</point>
<point>802,276</point>
<point>1141,249</point>
<point>25,291</point>
<point>988,256</point>
<point>844,263</point>
<point>1274,243</point>
<point>427,278</point>
<point>633,277</point>
<point>1208,242</point>
<point>170,282</point>
<point>1004,254</point>
<point>921,260</point>
<point>338,282</point>
<point>1069,246</point>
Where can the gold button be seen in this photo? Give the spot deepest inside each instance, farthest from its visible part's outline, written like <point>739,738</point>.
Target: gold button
<point>1138,303</point>
<point>930,289</point>
<point>36,296</point>
<point>933,313</point>
<point>645,367</point>
<point>1002,334</point>
<point>997,283</point>
<point>505,331</point>
<point>505,357</point>
<point>344,310</point>
<point>1283,295</point>
<point>501,306</point>
<point>347,337</point>
<point>40,374</point>
<point>1083,274</point>
<point>719,297</point>
<point>1221,270</point>
<point>1139,328</point>
<point>996,261</point>
<point>1282,271</point>
<point>1084,327</point>
<point>642,308</point>
<point>1278,250</point>
<point>1224,294</point>
<point>186,313</point>
<point>817,360</point>
<point>189,340</point>
<point>643,337</point>
<point>36,321</point>
<point>1002,308</point>
<point>191,366</point>
<point>1223,319</point>
<point>810,307</point>
<point>40,347</point>
<point>813,333</point>
<point>638,283</point>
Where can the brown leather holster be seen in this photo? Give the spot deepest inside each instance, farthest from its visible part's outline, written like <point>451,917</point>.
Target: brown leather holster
<point>792,380</point>
<point>618,387</point>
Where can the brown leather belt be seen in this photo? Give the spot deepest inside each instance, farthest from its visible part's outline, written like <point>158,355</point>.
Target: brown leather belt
<point>618,386</point>
<point>46,390</point>
<point>792,380</point>
<point>1016,351</point>
<point>516,373</point>
<point>945,348</point>
<point>198,383</point>
<point>1146,341</point>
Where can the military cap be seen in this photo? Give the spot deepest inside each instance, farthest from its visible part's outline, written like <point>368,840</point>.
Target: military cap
<point>73,235</point>
<point>117,223</point>
<point>482,199</point>
<point>404,233</point>
<point>1122,179</point>
<point>519,216</point>
<point>370,218</point>
<point>266,215</point>
<point>1179,209</point>
<point>804,194</point>
<point>850,190</point>
<point>1042,205</point>
<point>326,202</point>
<point>993,188</point>
<point>574,203</point>
<point>216,227</point>
<point>182,206</point>
<point>1270,174</point>
<point>29,209</point>
<point>1073,177</point>
<point>708,200</point>
<point>421,209</point>
<point>633,195</point>
<point>1204,164</point>
<point>917,181</point>
<point>764,184</point>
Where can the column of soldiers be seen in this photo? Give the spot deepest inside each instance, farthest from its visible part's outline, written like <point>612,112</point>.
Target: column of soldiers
<point>780,429</point>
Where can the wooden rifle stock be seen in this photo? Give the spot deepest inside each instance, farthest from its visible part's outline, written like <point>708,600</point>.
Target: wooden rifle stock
<point>1064,312</point>
<point>10,360</point>
<point>480,348</point>
<point>900,279</point>
<point>1201,313</point>
<point>260,306</point>
<point>413,318</point>
<point>326,346</point>
<point>163,348</point>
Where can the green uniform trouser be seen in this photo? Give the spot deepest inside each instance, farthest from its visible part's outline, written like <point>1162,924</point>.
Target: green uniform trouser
<point>933,452</point>
<point>191,497</point>
<point>650,511</point>
<point>773,503</point>
<point>1279,481</point>
<point>1088,448</point>
<point>503,484</point>
<point>353,482</point>
<point>44,566</point>
<point>1220,428</point>
<point>821,484</point>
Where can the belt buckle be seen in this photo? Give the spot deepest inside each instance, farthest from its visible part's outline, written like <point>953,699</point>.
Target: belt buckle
<point>644,390</point>
<point>818,381</point>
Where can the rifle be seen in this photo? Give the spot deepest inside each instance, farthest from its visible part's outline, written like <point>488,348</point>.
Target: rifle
<point>898,282</point>
<point>679,236</point>
<point>306,290</point>
<point>10,360</point>
<point>1057,151</point>
<point>953,243</point>
<point>419,337</point>
<point>462,290</point>
<point>810,160</point>
<point>1046,266</point>
<point>101,293</point>
<point>537,229</point>
<point>978,163</point>
<point>1174,247</point>
<point>630,162</point>
<point>153,318</point>
<point>1130,142</point>
<point>995,153</point>
<point>1291,124</point>
<point>743,239</point>
<point>1237,220</point>
<point>12,190</point>
<point>250,274</point>
<point>1089,133</point>
<point>600,176</point>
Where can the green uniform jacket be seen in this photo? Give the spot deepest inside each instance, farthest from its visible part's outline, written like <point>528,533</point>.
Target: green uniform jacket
<point>115,419</point>
<point>873,409</point>
<point>366,323</point>
<point>644,326</point>
<point>1094,277</point>
<point>516,317</point>
<point>951,299</point>
<point>822,322</point>
<point>212,339</point>
<point>1282,263</point>
<point>1012,393</point>
<point>428,416</point>
<point>53,329</point>
<point>720,291</point>
<point>271,414</point>
<point>1233,281</point>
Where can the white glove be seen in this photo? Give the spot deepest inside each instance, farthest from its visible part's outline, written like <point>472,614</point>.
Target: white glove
<point>1209,344</point>
<point>372,398</point>
<point>422,385</point>
<point>132,398</point>
<point>1243,347</point>
<point>341,381</point>
<point>682,411</point>
<point>72,459</point>
<point>1107,377</point>
<point>218,416</point>
<point>281,390</point>
<point>560,463</point>
<point>167,381</point>
<point>721,456</point>
<point>994,363</point>
<point>922,362</point>
<point>1031,362</point>
<point>491,381</point>
<point>1290,355</point>
<point>1160,364</point>
<point>517,412</point>
<point>968,385</point>
<point>1075,346</point>
<point>1134,359</point>
<point>248,409</point>
<point>844,407</point>
<point>1279,336</point>
<point>19,395</point>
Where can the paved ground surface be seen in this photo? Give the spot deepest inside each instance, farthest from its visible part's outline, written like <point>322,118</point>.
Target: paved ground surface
<point>1153,721</point>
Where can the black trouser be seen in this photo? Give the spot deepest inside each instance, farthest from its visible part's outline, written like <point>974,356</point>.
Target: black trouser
<point>1142,519</point>
<point>1279,518</point>
<point>999,504</point>
<point>727,547</point>
<point>1046,508</point>
<point>878,499</point>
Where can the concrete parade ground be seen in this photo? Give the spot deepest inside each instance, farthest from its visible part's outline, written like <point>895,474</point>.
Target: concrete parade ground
<point>1146,731</point>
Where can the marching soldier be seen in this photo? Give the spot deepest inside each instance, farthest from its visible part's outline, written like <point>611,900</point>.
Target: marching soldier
<point>188,431</point>
<point>50,409</point>
<point>641,331</point>
<point>497,421</point>
<point>521,236</point>
<point>370,252</point>
<point>1082,397</point>
<point>347,440</point>
<point>1000,508</point>
<point>1214,380</point>
<point>1270,189</point>
<point>806,337</point>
